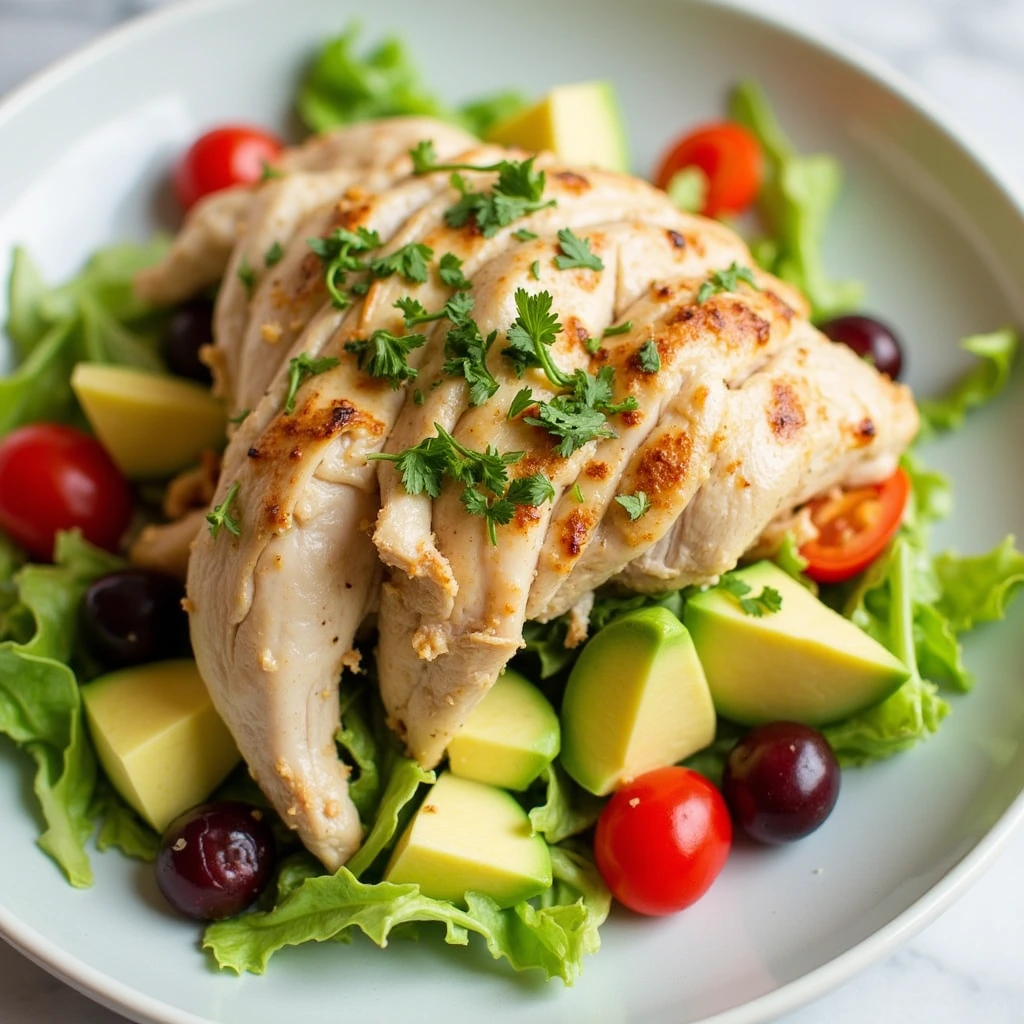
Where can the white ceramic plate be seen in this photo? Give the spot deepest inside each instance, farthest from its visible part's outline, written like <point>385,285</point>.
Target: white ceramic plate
<point>941,246</point>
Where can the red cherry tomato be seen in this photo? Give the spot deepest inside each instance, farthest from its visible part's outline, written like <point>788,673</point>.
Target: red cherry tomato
<point>662,839</point>
<point>54,478</point>
<point>730,158</point>
<point>854,528</point>
<point>232,155</point>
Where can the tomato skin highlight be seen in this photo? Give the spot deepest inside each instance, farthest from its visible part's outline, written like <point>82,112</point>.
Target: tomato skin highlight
<point>731,159</point>
<point>834,557</point>
<point>54,477</point>
<point>662,840</point>
<point>233,154</point>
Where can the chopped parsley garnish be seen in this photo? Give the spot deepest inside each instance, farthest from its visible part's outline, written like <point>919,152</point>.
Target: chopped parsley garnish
<point>409,262</point>
<point>577,493</point>
<point>466,350</point>
<point>725,281</point>
<point>246,275</point>
<point>424,467</point>
<point>221,516</point>
<point>273,255</point>
<point>535,270</point>
<point>530,335</point>
<point>341,253</point>
<point>387,355</point>
<point>611,332</point>
<point>523,235</point>
<point>767,602</point>
<point>634,504</point>
<point>450,269</point>
<point>417,397</point>
<point>648,356</point>
<point>268,171</point>
<point>576,252</point>
<point>299,369</point>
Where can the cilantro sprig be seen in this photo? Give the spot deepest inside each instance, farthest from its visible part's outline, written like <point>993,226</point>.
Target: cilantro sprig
<point>341,253</point>
<point>576,252</point>
<point>387,355</point>
<point>726,281</point>
<point>300,368</point>
<point>409,262</point>
<point>222,516</point>
<point>450,271</point>
<point>424,467</point>
<point>767,602</point>
<point>648,356</point>
<point>635,504</point>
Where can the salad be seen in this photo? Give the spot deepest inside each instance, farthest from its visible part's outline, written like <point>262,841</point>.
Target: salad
<point>73,612</point>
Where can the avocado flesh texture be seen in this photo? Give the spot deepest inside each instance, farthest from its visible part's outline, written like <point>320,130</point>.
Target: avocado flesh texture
<point>636,700</point>
<point>153,425</point>
<point>159,739</point>
<point>509,738</point>
<point>582,124</point>
<point>469,837</point>
<point>803,663</point>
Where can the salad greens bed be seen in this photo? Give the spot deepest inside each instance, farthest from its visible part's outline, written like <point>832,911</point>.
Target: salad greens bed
<point>915,604</point>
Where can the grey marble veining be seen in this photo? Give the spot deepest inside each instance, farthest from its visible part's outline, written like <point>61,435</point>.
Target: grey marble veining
<point>968,56</point>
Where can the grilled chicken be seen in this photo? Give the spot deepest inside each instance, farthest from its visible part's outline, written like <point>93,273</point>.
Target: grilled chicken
<point>748,413</point>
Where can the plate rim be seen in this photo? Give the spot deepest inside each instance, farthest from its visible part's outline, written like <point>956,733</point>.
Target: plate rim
<point>136,1004</point>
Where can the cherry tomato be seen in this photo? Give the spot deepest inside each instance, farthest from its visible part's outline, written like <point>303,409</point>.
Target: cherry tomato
<point>231,155</point>
<point>854,528</point>
<point>54,478</point>
<point>662,839</point>
<point>730,158</point>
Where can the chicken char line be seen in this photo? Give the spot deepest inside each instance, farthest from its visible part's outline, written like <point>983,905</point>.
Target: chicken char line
<point>749,412</point>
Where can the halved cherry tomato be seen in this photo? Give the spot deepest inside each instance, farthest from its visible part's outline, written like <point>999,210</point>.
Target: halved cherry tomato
<point>730,158</point>
<point>234,154</point>
<point>854,528</point>
<point>54,478</point>
<point>662,840</point>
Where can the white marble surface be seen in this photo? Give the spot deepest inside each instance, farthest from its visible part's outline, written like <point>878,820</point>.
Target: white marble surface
<point>968,55</point>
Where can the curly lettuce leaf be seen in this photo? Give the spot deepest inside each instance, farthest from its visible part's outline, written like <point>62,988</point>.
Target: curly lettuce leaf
<point>552,936</point>
<point>978,588</point>
<point>996,352</point>
<point>40,705</point>
<point>797,196</point>
<point>120,828</point>
<point>567,809</point>
<point>343,86</point>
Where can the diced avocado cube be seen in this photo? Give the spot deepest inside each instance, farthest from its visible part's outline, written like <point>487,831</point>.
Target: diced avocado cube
<point>152,425</point>
<point>636,700</point>
<point>803,663</point>
<point>582,124</point>
<point>159,739</point>
<point>510,737</point>
<point>468,837</point>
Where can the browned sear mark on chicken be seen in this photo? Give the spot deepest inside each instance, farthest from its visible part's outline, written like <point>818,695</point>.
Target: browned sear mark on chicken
<point>785,413</point>
<point>526,515</point>
<point>576,530</point>
<point>678,241</point>
<point>575,332</point>
<point>572,182</point>
<point>597,470</point>
<point>662,469</point>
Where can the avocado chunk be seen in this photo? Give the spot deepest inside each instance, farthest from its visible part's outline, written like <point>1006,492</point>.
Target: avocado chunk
<point>636,700</point>
<point>159,739</point>
<point>468,837</point>
<point>510,737</point>
<point>581,124</point>
<point>803,663</point>
<point>152,425</point>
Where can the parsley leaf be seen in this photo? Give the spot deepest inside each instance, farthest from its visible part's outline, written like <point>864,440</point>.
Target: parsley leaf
<point>611,332</point>
<point>530,490</point>
<point>269,171</point>
<point>246,275</point>
<point>648,357</point>
<point>220,515</point>
<point>341,253</point>
<point>386,355</point>
<point>523,235</point>
<point>726,281</point>
<point>523,400</point>
<point>466,351</point>
<point>273,255</point>
<point>571,421</point>
<point>410,262</point>
<point>535,270</point>
<point>517,192</point>
<point>450,269</point>
<point>577,493</point>
<point>422,466</point>
<point>634,504</point>
<point>299,368</point>
<point>531,334</point>
<point>576,252</point>
<point>767,602</point>
<point>456,309</point>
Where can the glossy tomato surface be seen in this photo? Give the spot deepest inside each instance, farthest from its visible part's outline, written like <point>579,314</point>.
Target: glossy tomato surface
<point>234,154</point>
<point>53,477</point>
<point>731,160</point>
<point>854,528</point>
<point>662,840</point>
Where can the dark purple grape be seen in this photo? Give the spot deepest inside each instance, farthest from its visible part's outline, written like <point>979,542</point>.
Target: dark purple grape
<point>215,859</point>
<point>134,616</point>
<point>870,339</point>
<point>781,781</point>
<point>190,328</point>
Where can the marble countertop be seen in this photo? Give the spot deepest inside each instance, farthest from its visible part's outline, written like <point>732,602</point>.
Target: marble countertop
<point>968,55</point>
